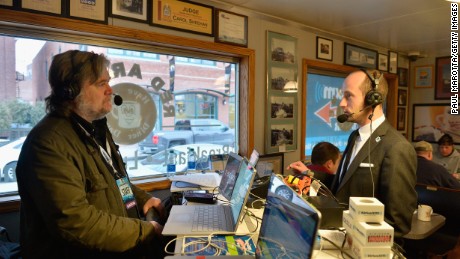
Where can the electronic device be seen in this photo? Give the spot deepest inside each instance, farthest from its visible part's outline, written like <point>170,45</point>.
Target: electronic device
<point>185,220</point>
<point>373,97</point>
<point>200,197</point>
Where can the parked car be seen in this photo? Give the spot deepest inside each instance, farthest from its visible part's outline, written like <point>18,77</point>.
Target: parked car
<point>9,155</point>
<point>190,131</point>
<point>156,163</point>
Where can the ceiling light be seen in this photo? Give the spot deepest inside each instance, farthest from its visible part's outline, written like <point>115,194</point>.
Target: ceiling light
<point>290,87</point>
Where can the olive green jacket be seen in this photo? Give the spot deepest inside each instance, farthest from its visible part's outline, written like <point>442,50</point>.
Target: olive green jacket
<point>70,204</point>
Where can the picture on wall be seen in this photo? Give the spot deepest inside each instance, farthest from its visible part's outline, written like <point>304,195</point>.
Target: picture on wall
<point>281,134</point>
<point>431,121</point>
<point>442,90</point>
<point>359,56</point>
<point>324,48</point>
<point>402,76</point>
<point>401,124</point>
<point>279,76</point>
<point>423,76</point>
<point>383,62</point>
<point>282,106</point>
<point>282,87</point>
<point>135,10</point>
<point>402,97</point>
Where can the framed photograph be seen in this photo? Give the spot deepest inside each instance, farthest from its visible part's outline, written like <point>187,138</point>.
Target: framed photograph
<point>91,10</point>
<point>56,7</point>
<point>383,62</point>
<point>402,76</point>
<point>282,135</point>
<point>280,76</point>
<point>360,57</point>
<point>282,85</point>
<point>423,76</point>
<point>231,28</point>
<point>270,164</point>
<point>135,10</point>
<point>431,121</point>
<point>183,16</point>
<point>9,4</point>
<point>402,97</point>
<point>442,87</point>
<point>401,123</point>
<point>282,107</point>
<point>393,62</point>
<point>324,48</point>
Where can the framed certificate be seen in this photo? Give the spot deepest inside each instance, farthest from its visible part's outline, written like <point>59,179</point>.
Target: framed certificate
<point>231,28</point>
<point>90,10</point>
<point>44,6</point>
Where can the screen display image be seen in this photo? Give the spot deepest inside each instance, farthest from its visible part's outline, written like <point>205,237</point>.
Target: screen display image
<point>288,228</point>
<point>242,185</point>
<point>227,183</point>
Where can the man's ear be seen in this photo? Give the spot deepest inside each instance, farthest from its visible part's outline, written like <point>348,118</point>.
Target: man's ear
<point>329,164</point>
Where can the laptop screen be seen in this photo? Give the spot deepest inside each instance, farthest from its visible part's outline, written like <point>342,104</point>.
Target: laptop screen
<point>240,193</point>
<point>230,174</point>
<point>254,158</point>
<point>289,225</point>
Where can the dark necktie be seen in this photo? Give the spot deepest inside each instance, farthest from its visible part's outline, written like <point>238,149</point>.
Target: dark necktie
<point>348,153</point>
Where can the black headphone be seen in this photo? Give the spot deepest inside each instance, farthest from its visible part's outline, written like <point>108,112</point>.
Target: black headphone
<point>373,97</point>
<point>71,89</point>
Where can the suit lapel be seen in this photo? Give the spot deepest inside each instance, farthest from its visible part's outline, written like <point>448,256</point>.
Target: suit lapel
<point>361,156</point>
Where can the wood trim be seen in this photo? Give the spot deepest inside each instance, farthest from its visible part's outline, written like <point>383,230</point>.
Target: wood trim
<point>66,26</point>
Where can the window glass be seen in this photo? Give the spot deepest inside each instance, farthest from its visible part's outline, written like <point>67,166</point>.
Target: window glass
<point>193,95</point>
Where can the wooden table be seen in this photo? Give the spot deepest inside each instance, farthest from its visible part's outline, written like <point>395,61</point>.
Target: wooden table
<point>423,229</point>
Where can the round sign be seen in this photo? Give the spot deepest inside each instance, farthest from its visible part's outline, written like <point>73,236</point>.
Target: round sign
<point>135,118</point>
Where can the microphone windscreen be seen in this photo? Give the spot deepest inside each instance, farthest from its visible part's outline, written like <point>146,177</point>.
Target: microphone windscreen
<point>342,118</point>
<point>117,100</point>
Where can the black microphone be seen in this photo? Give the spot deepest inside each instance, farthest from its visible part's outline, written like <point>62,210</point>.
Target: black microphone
<point>117,100</point>
<point>344,117</point>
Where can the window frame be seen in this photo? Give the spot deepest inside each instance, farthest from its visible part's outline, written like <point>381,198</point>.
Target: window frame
<point>16,23</point>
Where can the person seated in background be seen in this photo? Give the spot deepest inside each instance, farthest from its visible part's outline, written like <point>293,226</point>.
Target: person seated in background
<point>448,156</point>
<point>325,158</point>
<point>429,172</point>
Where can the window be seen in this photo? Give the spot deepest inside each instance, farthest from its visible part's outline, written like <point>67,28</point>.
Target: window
<point>202,91</point>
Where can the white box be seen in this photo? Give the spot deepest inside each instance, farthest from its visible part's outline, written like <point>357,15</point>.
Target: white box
<point>366,209</point>
<point>373,233</point>
<point>361,251</point>
<point>347,222</point>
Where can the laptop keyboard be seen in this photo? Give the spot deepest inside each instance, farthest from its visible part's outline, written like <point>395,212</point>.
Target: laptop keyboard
<point>206,218</point>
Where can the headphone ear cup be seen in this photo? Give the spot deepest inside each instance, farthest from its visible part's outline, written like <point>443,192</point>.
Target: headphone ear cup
<point>373,98</point>
<point>70,92</point>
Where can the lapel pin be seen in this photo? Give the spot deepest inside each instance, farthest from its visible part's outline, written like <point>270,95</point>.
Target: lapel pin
<point>377,139</point>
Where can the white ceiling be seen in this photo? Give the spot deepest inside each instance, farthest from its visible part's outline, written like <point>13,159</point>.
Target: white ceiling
<point>401,25</point>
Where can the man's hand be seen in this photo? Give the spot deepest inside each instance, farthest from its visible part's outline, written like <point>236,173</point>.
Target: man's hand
<point>298,167</point>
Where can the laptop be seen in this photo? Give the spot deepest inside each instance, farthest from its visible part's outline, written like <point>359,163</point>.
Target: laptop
<point>289,226</point>
<point>207,219</point>
<point>210,180</point>
<point>254,158</point>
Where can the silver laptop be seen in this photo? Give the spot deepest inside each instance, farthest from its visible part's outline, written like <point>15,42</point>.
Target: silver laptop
<point>207,219</point>
<point>289,226</point>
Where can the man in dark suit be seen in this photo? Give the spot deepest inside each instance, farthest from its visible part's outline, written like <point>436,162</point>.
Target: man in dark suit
<point>381,162</point>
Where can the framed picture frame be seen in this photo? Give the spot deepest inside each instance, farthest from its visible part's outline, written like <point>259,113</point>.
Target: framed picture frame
<point>359,56</point>
<point>136,10</point>
<point>402,76</point>
<point>402,97</point>
<point>93,11</point>
<point>324,48</point>
<point>401,123</point>
<point>282,86</point>
<point>56,7</point>
<point>383,62</point>
<point>423,76</point>
<point>431,121</point>
<point>392,62</point>
<point>188,16</point>
<point>442,86</point>
<point>8,4</point>
<point>270,164</point>
<point>231,28</point>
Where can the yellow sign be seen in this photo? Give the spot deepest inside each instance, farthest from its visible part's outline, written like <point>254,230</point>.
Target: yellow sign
<point>183,15</point>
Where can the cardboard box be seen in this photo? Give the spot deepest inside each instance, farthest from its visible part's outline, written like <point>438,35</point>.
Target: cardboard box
<point>366,209</point>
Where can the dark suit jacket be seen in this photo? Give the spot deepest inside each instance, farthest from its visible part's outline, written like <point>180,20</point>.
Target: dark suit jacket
<point>394,165</point>
<point>430,173</point>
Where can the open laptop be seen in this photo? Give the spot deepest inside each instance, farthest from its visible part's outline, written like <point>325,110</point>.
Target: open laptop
<point>230,174</point>
<point>289,225</point>
<point>185,220</point>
